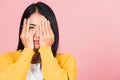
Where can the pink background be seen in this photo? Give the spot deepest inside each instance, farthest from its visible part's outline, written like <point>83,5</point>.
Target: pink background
<point>89,30</point>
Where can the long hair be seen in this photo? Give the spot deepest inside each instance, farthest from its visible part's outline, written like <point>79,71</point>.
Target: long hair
<point>46,11</point>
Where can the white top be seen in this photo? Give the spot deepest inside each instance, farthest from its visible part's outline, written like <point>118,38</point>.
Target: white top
<point>35,72</point>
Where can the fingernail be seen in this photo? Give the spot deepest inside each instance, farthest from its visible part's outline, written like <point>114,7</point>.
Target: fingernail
<point>28,19</point>
<point>25,19</point>
<point>48,21</point>
<point>45,19</point>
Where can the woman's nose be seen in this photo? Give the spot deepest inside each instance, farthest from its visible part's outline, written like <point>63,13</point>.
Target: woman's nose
<point>37,34</point>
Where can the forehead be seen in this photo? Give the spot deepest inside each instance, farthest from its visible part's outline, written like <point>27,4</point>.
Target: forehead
<point>36,18</point>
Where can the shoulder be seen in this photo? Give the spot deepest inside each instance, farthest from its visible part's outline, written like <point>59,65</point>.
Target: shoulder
<point>9,56</point>
<point>6,54</point>
<point>64,56</point>
<point>68,62</point>
<point>66,59</point>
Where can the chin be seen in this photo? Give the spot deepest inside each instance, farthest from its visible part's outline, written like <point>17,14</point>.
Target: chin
<point>37,47</point>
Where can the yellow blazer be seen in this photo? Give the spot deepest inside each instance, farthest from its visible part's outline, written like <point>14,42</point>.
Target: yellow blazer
<point>15,66</point>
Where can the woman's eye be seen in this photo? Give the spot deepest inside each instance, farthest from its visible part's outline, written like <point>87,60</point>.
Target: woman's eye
<point>31,27</point>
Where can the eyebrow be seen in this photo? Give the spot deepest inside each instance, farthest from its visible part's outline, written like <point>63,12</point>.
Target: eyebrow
<point>33,24</point>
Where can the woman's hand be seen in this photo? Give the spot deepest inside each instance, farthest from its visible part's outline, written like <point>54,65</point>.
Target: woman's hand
<point>46,33</point>
<point>27,35</point>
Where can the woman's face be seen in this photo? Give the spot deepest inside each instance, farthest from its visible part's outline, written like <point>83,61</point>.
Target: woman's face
<point>35,21</point>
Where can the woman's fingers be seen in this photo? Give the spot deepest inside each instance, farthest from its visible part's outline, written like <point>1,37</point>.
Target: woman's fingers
<point>27,34</point>
<point>43,27</point>
<point>40,30</point>
<point>47,28</point>
<point>32,32</point>
<point>46,33</point>
<point>23,27</point>
<point>27,26</point>
<point>50,29</point>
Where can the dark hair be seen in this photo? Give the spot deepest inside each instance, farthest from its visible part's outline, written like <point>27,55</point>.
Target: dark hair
<point>46,11</point>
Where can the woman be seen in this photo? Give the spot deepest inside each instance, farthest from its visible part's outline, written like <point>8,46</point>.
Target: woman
<point>36,57</point>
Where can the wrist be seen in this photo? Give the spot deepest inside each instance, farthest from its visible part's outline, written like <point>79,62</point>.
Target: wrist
<point>44,48</point>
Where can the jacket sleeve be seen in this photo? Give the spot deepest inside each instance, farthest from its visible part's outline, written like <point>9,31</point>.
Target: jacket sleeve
<point>52,70</point>
<point>68,62</point>
<point>17,70</point>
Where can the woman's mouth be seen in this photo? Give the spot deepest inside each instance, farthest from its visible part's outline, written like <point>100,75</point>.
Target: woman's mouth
<point>36,41</point>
